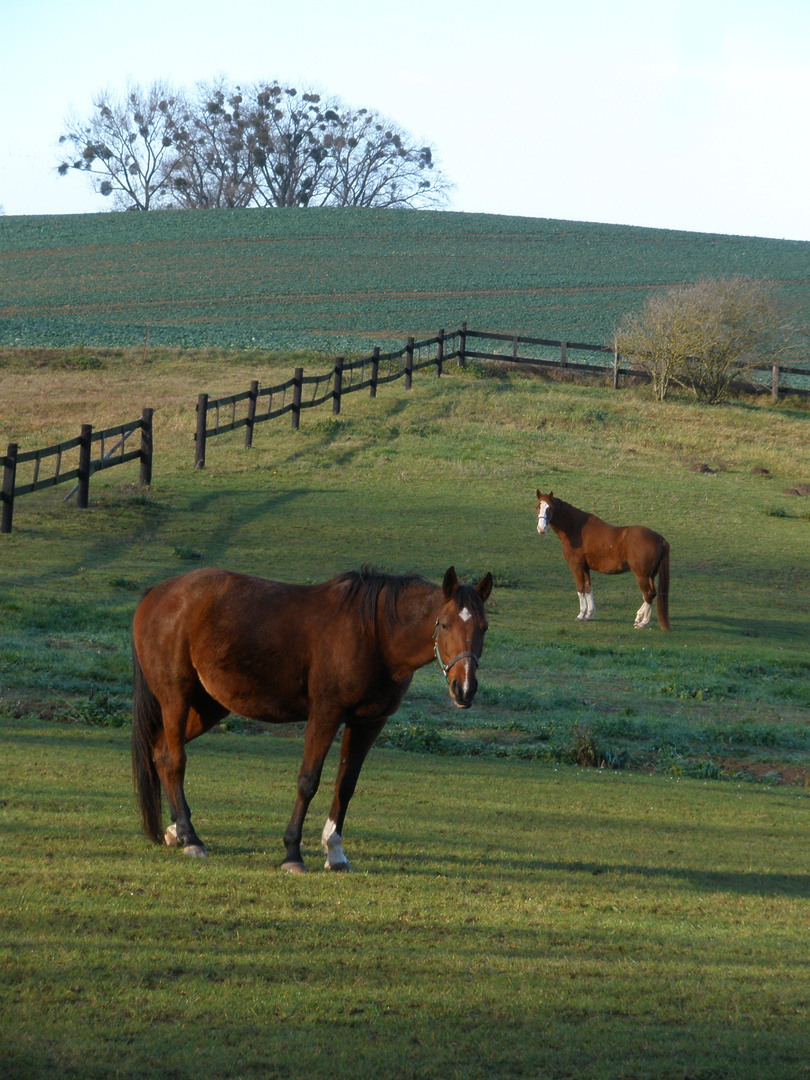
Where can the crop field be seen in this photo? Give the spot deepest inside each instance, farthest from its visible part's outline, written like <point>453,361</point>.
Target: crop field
<point>600,870</point>
<point>344,280</point>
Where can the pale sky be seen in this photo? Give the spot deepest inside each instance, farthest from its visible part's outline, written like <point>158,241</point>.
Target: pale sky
<point>683,114</point>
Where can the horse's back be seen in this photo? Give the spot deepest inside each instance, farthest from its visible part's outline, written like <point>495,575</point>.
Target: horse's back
<point>248,642</point>
<point>615,549</point>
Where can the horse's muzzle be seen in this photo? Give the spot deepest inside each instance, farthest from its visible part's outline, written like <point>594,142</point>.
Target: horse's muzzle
<point>463,693</point>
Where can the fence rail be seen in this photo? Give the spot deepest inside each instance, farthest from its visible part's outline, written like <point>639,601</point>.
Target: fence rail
<point>86,467</point>
<point>335,384</point>
<point>367,373</point>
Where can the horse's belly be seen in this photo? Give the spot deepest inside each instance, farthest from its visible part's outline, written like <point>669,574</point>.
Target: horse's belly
<point>256,699</point>
<point>609,566</point>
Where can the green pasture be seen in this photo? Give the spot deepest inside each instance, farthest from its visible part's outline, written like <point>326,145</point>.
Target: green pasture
<point>510,914</point>
<point>503,920</point>
<point>347,279</point>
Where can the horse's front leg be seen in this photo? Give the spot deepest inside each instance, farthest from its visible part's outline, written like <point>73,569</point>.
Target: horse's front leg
<point>318,737</point>
<point>355,745</point>
<point>582,580</point>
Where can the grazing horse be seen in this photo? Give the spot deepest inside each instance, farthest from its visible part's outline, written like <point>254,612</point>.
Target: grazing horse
<point>588,543</point>
<point>342,652</point>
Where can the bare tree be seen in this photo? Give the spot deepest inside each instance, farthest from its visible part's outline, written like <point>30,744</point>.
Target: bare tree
<point>267,146</point>
<point>374,165</point>
<point>705,335</point>
<point>127,145</point>
<point>213,165</point>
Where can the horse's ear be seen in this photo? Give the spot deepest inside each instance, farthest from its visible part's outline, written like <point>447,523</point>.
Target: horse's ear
<point>538,493</point>
<point>484,587</point>
<point>450,583</point>
<point>550,496</point>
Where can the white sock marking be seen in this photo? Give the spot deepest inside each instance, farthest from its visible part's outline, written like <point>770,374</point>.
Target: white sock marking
<point>643,615</point>
<point>332,845</point>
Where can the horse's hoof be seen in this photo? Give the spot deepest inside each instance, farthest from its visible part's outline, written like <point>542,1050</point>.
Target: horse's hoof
<point>338,868</point>
<point>294,867</point>
<point>196,851</point>
<point>170,836</point>
<point>580,617</point>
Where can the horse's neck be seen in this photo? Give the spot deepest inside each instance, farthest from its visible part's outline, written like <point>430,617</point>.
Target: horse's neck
<point>408,643</point>
<point>567,517</point>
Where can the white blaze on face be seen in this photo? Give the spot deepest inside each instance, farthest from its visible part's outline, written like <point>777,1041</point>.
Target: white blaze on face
<point>465,614</point>
<point>542,517</point>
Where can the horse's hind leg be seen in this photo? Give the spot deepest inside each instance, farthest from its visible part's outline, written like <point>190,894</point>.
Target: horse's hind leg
<point>647,586</point>
<point>170,761</point>
<point>355,745</point>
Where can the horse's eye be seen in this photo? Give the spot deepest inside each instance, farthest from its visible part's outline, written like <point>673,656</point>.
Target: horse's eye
<point>445,626</point>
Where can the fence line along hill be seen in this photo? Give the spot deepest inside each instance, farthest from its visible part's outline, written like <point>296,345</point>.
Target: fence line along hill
<point>345,280</point>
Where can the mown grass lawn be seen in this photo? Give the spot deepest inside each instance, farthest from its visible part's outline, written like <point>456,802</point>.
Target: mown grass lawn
<point>503,919</point>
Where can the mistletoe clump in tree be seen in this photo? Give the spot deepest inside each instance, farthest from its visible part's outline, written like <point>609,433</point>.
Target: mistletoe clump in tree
<point>267,145</point>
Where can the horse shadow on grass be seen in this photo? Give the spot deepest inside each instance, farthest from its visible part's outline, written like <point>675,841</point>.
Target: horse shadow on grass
<point>616,876</point>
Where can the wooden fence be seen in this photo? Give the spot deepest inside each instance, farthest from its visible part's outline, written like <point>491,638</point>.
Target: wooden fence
<point>87,465</point>
<point>308,391</point>
<point>372,371</point>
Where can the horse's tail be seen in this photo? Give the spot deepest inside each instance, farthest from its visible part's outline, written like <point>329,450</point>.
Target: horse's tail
<point>147,720</point>
<point>662,602</point>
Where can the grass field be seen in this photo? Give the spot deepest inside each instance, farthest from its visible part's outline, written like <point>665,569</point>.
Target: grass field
<point>503,920</point>
<point>346,279</point>
<point>510,914</point>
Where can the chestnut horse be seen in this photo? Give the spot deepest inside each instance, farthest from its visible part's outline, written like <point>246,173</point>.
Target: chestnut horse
<point>343,652</point>
<point>588,543</point>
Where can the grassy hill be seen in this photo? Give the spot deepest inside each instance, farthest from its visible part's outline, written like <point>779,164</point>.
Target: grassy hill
<point>343,280</point>
<point>510,915</point>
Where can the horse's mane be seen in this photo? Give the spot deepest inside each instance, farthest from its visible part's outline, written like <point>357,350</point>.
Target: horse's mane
<point>573,513</point>
<point>363,588</point>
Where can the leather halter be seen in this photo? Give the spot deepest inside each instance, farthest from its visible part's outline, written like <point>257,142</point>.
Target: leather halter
<point>446,667</point>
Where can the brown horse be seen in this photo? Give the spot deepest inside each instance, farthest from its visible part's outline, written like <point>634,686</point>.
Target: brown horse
<point>342,652</point>
<point>588,543</point>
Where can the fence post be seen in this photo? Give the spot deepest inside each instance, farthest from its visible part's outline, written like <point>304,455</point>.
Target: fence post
<point>298,385</point>
<point>615,367</point>
<point>199,438</point>
<point>439,353</point>
<point>462,345</point>
<point>775,384</point>
<point>146,447</point>
<point>515,347</point>
<point>375,369</point>
<point>253,397</point>
<point>7,493</point>
<point>409,363</point>
<point>85,445</point>
<point>337,385</point>
<point>563,350</point>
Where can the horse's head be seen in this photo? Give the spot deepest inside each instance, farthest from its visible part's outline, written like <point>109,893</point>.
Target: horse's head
<point>459,634</point>
<point>544,510</point>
